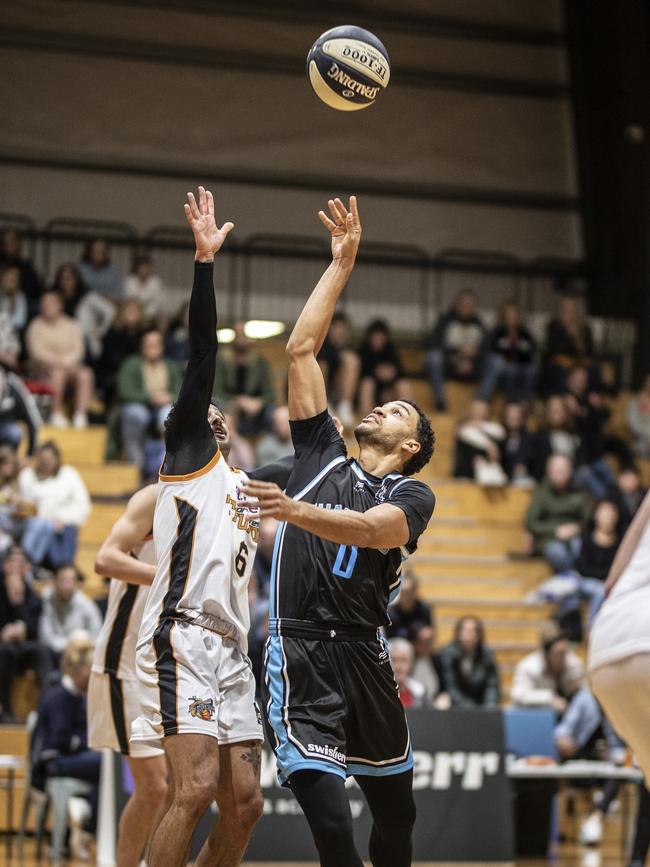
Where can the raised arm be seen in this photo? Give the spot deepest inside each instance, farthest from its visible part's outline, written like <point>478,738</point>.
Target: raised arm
<point>115,558</point>
<point>307,395</point>
<point>189,439</point>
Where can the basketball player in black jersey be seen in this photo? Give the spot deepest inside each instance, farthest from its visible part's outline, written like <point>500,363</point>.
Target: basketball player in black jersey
<point>331,699</point>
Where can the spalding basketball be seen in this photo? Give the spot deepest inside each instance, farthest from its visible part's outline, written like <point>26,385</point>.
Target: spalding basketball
<point>348,67</point>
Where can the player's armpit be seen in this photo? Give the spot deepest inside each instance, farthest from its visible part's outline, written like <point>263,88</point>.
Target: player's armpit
<point>114,558</point>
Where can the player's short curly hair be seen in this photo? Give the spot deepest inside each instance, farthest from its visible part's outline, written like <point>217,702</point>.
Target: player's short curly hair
<point>427,439</point>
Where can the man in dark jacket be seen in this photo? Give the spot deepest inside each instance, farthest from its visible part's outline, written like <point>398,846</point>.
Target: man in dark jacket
<point>409,613</point>
<point>20,610</point>
<point>454,347</point>
<point>510,362</point>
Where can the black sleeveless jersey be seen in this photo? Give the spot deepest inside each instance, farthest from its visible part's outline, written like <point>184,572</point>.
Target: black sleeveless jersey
<point>318,580</point>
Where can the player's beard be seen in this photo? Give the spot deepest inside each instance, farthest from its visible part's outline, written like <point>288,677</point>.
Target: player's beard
<point>374,435</point>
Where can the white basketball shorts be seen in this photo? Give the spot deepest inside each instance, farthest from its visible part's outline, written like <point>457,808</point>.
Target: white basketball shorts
<point>113,704</point>
<point>194,681</point>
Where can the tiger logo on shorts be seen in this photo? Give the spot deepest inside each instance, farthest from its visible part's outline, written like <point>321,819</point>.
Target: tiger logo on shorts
<point>202,709</point>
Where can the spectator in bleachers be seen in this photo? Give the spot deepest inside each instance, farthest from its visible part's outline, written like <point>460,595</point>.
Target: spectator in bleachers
<point>516,447</point>
<point>66,609</point>
<point>341,367</point>
<point>638,419</point>
<point>556,436</point>
<point>590,415</point>
<point>13,303</point>
<point>69,285</point>
<point>11,508</point>
<point>428,669</point>
<point>382,373</point>
<point>17,405</point>
<point>120,341</point>
<point>177,338</point>
<point>454,347</point>
<point>277,443</point>
<point>478,448</point>
<point>569,344</point>
<point>97,272</point>
<point>145,286</point>
<point>550,676</point>
<point>62,506</point>
<point>628,494</point>
<point>10,254</point>
<point>557,514</point>
<point>471,675</point>
<point>510,364</point>
<point>586,581</point>
<point>147,386</point>
<point>20,611</point>
<point>55,349</point>
<point>408,613</point>
<point>402,657</point>
<point>63,738</point>
<point>243,381</point>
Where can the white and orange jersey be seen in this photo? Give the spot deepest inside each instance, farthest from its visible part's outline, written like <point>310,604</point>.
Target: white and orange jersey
<point>205,547</point>
<point>115,647</point>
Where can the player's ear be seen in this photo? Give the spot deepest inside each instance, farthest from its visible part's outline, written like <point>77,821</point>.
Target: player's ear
<point>411,446</point>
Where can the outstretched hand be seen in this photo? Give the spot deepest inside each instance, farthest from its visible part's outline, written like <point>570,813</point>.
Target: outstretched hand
<point>207,236</point>
<point>268,498</point>
<point>344,227</point>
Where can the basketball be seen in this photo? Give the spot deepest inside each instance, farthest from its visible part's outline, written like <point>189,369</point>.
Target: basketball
<point>348,67</point>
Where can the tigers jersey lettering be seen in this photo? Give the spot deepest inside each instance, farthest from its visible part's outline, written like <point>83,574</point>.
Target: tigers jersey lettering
<point>205,546</point>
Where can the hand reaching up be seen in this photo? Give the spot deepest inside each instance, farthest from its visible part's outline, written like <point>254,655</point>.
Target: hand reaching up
<point>207,236</point>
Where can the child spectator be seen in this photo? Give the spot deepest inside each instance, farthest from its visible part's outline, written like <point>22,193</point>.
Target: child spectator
<point>454,347</point>
<point>66,610</point>
<point>244,381</point>
<point>20,611</point>
<point>471,675</point>
<point>97,272</point>
<point>146,287</point>
<point>478,452</point>
<point>62,505</point>
<point>382,374</point>
<point>277,443</point>
<point>402,657</point>
<point>341,367</point>
<point>63,738</point>
<point>550,676</point>
<point>510,363</point>
<point>409,612</point>
<point>557,514</point>
<point>55,348</point>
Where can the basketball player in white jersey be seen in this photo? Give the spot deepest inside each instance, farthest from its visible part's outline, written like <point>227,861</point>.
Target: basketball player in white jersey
<point>127,555</point>
<point>197,686</point>
<point>619,644</point>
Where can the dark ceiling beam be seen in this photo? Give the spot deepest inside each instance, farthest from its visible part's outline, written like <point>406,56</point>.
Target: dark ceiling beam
<point>187,55</point>
<point>332,13</point>
<point>393,189</point>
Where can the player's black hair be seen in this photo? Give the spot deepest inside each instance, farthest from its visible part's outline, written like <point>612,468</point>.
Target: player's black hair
<point>427,439</point>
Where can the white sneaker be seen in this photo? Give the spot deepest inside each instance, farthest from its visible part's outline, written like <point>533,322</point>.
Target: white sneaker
<point>78,814</point>
<point>591,832</point>
<point>57,419</point>
<point>80,421</point>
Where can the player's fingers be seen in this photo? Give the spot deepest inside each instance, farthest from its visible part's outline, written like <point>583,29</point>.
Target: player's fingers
<point>325,220</point>
<point>341,210</point>
<point>193,206</point>
<point>227,228</point>
<point>210,202</point>
<point>203,204</point>
<point>334,212</point>
<point>355,210</point>
<point>188,212</point>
